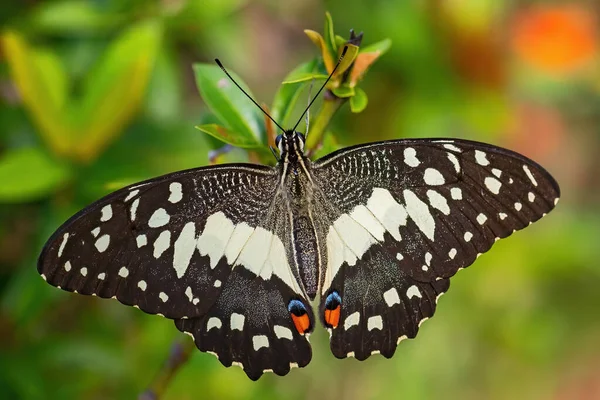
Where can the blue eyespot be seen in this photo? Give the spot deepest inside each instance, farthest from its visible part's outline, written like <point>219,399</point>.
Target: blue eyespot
<point>332,301</point>
<point>297,308</point>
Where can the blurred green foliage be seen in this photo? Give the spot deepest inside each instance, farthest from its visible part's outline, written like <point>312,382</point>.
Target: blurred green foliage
<point>98,94</point>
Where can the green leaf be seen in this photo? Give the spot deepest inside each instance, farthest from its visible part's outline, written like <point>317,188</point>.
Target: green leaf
<point>340,41</point>
<point>329,35</point>
<point>287,95</point>
<point>349,58</point>
<point>242,119</point>
<point>230,137</point>
<point>317,39</point>
<point>378,47</point>
<point>41,87</point>
<point>303,77</point>
<point>115,89</point>
<point>359,101</point>
<point>344,91</point>
<point>30,174</point>
<point>74,17</point>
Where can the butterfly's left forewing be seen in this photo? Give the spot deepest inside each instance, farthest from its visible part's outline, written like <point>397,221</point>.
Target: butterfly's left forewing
<point>202,247</point>
<point>405,216</point>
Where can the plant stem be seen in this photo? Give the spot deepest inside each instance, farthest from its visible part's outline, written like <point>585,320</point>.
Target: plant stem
<point>180,353</point>
<point>331,104</point>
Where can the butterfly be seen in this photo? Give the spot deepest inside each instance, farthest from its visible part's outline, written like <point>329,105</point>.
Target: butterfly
<point>234,253</point>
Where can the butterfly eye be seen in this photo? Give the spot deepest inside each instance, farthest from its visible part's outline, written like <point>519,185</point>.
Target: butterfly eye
<point>301,140</point>
<point>333,305</point>
<point>278,143</point>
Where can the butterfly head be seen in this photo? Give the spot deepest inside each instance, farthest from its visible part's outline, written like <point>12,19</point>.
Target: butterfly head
<point>290,143</point>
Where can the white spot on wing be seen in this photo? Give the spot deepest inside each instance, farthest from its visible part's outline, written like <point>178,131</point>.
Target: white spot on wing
<point>367,220</point>
<point>236,321</point>
<point>63,244</point>
<point>413,291</point>
<point>493,184</point>
<point>101,276</point>
<point>481,158</point>
<point>214,237</point>
<point>352,320</point>
<point>102,243</point>
<point>530,175</point>
<point>123,272</point>
<point>159,218</point>
<point>162,243</point>
<point>217,283</point>
<point>497,173</point>
<point>96,231</point>
<point>260,341</point>
<point>531,197</point>
<point>433,177</point>
<point>107,213</point>
<point>399,257</point>
<point>282,332</point>
<point>420,214</point>
<point>142,285</point>
<point>141,241</point>
<point>388,211</point>
<point>163,297</point>
<point>68,266</point>
<point>452,253</point>
<point>468,236</point>
<point>502,216</point>
<point>410,157</point>
<point>213,322</point>
<point>375,322</point>
<point>518,206</point>
<point>237,240</point>
<point>134,207</point>
<point>354,235</point>
<point>176,192</point>
<point>428,258</point>
<point>452,147</point>
<point>391,297</point>
<point>456,193</point>
<point>83,271</point>
<point>454,160</point>
<point>438,201</point>
<point>481,218</point>
<point>184,248</point>
<point>188,293</point>
<point>131,195</point>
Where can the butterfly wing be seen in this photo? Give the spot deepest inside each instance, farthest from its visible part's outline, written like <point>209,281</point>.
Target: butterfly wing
<point>191,246</point>
<point>406,215</point>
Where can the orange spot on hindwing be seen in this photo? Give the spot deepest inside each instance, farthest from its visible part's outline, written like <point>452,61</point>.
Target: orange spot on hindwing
<point>302,323</point>
<point>332,317</point>
<point>299,316</point>
<point>333,309</point>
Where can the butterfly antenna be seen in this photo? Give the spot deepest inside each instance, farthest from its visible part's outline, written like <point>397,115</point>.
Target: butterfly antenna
<point>322,87</point>
<point>308,110</point>
<point>247,95</point>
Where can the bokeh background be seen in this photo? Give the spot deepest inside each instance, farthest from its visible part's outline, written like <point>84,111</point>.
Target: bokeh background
<point>115,78</point>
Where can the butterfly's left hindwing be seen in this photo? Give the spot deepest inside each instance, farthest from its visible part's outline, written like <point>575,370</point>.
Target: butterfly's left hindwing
<point>402,218</point>
<point>203,247</point>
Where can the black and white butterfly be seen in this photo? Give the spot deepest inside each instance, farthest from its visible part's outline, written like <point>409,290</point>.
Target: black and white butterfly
<point>234,253</point>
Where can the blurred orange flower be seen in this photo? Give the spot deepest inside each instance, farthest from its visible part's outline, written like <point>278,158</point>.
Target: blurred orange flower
<point>555,38</point>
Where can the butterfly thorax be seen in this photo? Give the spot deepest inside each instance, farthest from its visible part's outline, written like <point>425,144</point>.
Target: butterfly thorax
<point>297,185</point>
